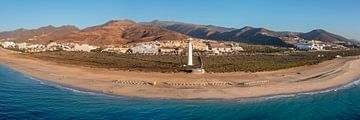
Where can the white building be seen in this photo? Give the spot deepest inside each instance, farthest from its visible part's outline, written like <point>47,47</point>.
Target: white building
<point>21,46</point>
<point>36,46</point>
<point>221,50</point>
<point>310,46</point>
<point>8,44</point>
<point>168,50</point>
<point>238,48</point>
<point>84,47</point>
<point>145,49</point>
<point>53,46</point>
<point>116,50</point>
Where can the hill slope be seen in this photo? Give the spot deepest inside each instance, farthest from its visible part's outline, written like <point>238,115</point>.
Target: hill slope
<point>198,31</point>
<point>118,32</point>
<point>40,35</point>
<point>248,35</point>
<point>115,32</point>
<point>323,35</point>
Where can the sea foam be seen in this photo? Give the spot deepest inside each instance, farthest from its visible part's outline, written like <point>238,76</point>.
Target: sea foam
<point>59,86</point>
<point>335,89</point>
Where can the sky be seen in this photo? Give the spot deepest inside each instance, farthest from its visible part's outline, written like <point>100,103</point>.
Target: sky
<point>338,16</point>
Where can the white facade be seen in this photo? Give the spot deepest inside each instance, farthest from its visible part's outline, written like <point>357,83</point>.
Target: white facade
<point>22,45</point>
<point>83,47</point>
<point>8,44</point>
<point>35,46</point>
<point>237,48</point>
<point>167,50</point>
<point>145,49</point>
<point>310,46</point>
<point>222,50</point>
<point>52,44</point>
<point>116,50</point>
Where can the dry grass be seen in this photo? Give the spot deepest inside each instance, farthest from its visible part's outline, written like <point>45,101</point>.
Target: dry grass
<point>171,63</point>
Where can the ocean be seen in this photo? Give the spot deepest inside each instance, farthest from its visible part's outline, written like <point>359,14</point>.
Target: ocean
<point>24,97</point>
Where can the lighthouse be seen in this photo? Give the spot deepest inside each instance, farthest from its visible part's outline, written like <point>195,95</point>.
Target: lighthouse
<point>190,62</point>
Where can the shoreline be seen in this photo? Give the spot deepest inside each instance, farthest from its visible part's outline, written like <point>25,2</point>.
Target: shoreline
<point>325,90</point>
<point>342,71</point>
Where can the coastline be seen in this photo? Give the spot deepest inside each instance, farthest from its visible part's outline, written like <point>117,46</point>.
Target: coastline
<point>330,74</point>
<point>242,99</point>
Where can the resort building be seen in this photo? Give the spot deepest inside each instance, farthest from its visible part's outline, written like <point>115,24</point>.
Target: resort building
<point>168,50</point>
<point>8,44</point>
<point>21,46</point>
<point>53,46</point>
<point>145,49</point>
<point>116,50</point>
<point>237,48</point>
<point>310,46</point>
<point>84,47</point>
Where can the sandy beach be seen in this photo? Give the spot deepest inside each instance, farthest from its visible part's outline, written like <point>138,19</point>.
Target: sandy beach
<point>235,85</point>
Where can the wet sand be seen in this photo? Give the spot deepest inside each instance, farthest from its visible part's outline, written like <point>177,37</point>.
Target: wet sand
<point>234,85</point>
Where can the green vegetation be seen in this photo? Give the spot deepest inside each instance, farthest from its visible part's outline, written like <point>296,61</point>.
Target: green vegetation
<point>269,62</point>
<point>170,63</point>
<point>115,61</point>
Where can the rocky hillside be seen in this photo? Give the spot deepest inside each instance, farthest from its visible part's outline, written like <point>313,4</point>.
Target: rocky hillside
<point>198,31</point>
<point>323,35</point>
<point>259,36</point>
<point>40,35</point>
<point>250,35</point>
<point>117,32</point>
<point>114,32</point>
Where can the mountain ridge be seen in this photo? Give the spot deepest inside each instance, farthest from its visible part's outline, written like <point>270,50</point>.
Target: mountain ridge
<point>116,32</point>
<point>322,35</point>
<point>31,35</point>
<point>248,34</point>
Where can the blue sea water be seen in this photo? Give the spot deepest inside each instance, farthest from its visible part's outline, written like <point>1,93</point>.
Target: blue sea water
<point>23,97</point>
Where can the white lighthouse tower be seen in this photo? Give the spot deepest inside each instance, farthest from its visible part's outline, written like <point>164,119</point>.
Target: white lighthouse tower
<point>190,60</point>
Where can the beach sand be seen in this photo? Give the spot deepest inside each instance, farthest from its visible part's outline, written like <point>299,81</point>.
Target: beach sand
<point>234,85</point>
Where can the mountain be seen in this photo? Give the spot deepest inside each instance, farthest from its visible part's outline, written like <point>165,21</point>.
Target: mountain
<point>40,35</point>
<point>260,36</point>
<point>198,31</point>
<point>118,32</point>
<point>289,34</point>
<point>250,35</point>
<point>115,32</point>
<point>324,36</point>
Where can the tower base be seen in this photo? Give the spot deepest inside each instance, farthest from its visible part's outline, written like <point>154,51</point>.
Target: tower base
<point>198,71</point>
